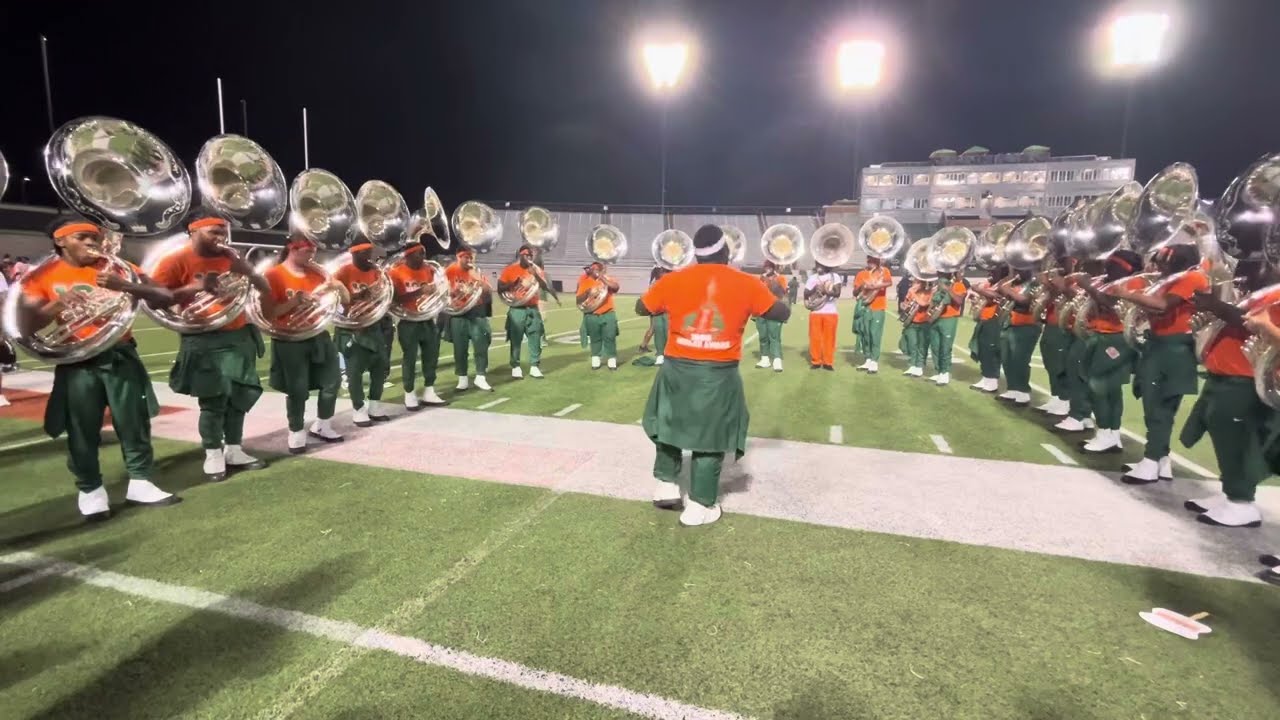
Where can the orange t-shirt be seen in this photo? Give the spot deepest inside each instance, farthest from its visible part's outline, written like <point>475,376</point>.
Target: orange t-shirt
<point>405,279</point>
<point>1226,353</point>
<point>1105,320</point>
<point>455,274</point>
<point>185,266</point>
<point>868,275</point>
<point>708,306</point>
<point>953,309</point>
<point>1018,318</point>
<point>284,285</point>
<point>515,273</point>
<point>1177,320</point>
<point>586,283</point>
<point>922,298</point>
<point>61,277</point>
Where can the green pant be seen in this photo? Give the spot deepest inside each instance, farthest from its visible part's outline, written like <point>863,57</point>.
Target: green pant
<point>299,367</point>
<point>1236,420</point>
<point>984,348</point>
<point>1077,381</point>
<point>942,336</point>
<point>82,392</point>
<point>470,331</point>
<point>916,343</point>
<point>365,352</point>
<point>770,332</point>
<point>704,481</point>
<point>1053,351</point>
<point>1166,371</point>
<point>219,368</point>
<point>1017,342</point>
<point>874,336</point>
<point>602,332</point>
<point>660,328</point>
<point>419,341</point>
<point>525,322</point>
<point>1108,364</point>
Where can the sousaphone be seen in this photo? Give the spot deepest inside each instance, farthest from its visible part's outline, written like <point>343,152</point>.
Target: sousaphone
<point>882,237</point>
<point>673,249</point>
<point>949,251</point>
<point>479,229</point>
<point>782,244</point>
<point>737,242</point>
<point>606,245</point>
<point>539,229</point>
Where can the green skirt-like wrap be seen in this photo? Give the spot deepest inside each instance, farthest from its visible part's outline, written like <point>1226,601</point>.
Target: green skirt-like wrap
<point>222,362</point>
<point>698,406</point>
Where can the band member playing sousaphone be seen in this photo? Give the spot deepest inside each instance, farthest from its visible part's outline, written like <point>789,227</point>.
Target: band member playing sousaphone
<point>71,293</point>
<point>1079,400</point>
<point>364,348</point>
<point>413,287</point>
<point>915,336</point>
<point>950,295</point>
<point>599,321</point>
<point>1055,341</point>
<point>871,288</point>
<point>984,346</point>
<point>821,291</point>
<point>770,331</point>
<point>1018,340</point>
<point>519,285</point>
<point>217,360</point>
<point>469,330</point>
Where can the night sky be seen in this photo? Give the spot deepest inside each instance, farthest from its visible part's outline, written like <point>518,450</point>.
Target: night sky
<point>543,100</point>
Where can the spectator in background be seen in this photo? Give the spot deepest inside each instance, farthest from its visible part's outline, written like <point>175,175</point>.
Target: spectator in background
<point>20,268</point>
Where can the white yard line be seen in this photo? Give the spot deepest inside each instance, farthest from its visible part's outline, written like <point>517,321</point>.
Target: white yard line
<point>1058,455</point>
<point>369,638</point>
<point>836,435</point>
<point>750,339</point>
<point>493,403</point>
<point>565,411</point>
<point>941,443</point>
<point>25,443</point>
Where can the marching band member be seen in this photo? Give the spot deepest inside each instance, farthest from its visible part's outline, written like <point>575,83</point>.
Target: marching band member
<point>526,320</point>
<point>697,401</point>
<point>419,339</point>
<point>871,287</point>
<point>471,328</point>
<point>794,283</point>
<point>114,378</point>
<point>984,346</point>
<point>1079,401</point>
<point>1229,410</point>
<point>364,350</point>
<point>942,333</point>
<point>1054,341</point>
<point>1167,364</point>
<point>600,328</point>
<point>770,331</point>
<point>915,336</point>
<point>220,368</point>
<point>659,325</point>
<point>657,272</point>
<point>1108,359</point>
<point>1018,341</point>
<point>300,366</point>
<point>823,283</point>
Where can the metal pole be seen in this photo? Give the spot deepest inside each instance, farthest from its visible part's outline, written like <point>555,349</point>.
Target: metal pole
<point>664,158</point>
<point>857,169</point>
<point>48,88</point>
<point>222,125</point>
<point>1128,112</point>
<point>244,116</point>
<point>306,149</point>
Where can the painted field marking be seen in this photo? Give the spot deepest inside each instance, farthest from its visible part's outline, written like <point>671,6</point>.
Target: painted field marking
<point>749,340</point>
<point>25,443</point>
<point>493,403</point>
<point>836,436</point>
<point>565,411</point>
<point>1060,456</point>
<point>368,638</point>
<point>941,443</point>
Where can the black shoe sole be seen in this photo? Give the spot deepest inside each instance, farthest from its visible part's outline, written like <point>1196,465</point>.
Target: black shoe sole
<point>97,517</point>
<point>255,465</point>
<point>1269,560</point>
<point>669,504</point>
<point>1194,507</point>
<point>414,409</point>
<point>171,500</point>
<point>297,451</point>
<point>380,418</point>
<point>362,424</point>
<point>1108,451</point>
<point>1128,479</point>
<point>215,478</point>
<point>318,436</point>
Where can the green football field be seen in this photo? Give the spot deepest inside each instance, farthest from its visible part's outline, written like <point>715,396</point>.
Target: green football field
<point>319,589</point>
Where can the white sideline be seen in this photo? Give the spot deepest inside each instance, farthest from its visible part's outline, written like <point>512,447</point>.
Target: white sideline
<point>565,411</point>
<point>493,403</point>
<point>941,443</point>
<point>612,696</point>
<point>1061,457</point>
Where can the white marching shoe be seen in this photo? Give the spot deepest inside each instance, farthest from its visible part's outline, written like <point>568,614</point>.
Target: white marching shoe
<point>873,367</point>
<point>360,416</point>
<point>660,359</point>
<point>95,505</point>
<point>1205,504</point>
<point>698,514</point>
<point>666,495</point>
<point>215,464</point>
<point>777,364</point>
<point>237,459</point>
<point>297,441</point>
<point>1070,424</point>
<point>377,412</point>
<point>517,373</point>
<point>482,384</point>
<point>1048,405</point>
<point>1233,513</point>
<point>1061,406</point>
<point>323,430</point>
<point>1143,472</point>
<point>942,378</point>
<point>764,362</point>
<point>1016,397</point>
<point>1106,441</point>
<point>987,384</point>
<point>4,401</point>
<point>914,372</point>
<point>1006,395</point>
<point>865,364</point>
<point>411,402</point>
<point>595,363</point>
<point>429,396</point>
<point>463,383</point>
<point>613,363</point>
<point>1164,468</point>
<point>144,492</point>
<point>535,372</point>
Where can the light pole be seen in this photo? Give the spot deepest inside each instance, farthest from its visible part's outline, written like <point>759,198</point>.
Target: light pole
<point>859,64</point>
<point>1135,44</point>
<point>665,63</point>
<point>23,188</point>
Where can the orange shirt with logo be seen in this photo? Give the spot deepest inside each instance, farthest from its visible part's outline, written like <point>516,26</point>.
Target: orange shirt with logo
<point>185,266</point>
<point>1020,318</point>
<point>405,279</point>
<point>586,282</point>
<point>60,278</point>
<point>708,306</point>
<point>867,275</point>
<point>1105,320</point>
<point>922,298</point>
<point>285,285</point>
<point>514,273</point>
<point>1226,353</point>
<point>953,308</point>
<point>1177,320</point>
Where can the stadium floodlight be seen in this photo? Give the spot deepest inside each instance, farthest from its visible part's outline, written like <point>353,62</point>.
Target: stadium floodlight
<point>859,63</point>
<point>665,63</point>
<point>1136,40</point>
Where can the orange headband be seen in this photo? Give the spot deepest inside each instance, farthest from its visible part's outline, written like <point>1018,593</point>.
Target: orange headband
<point>468,253</point>
<point>1122,263</point>
<point>359,247</point>
<point>75,227</point>
<point>300,243</point>
<point>205,222</point>
<point>414,250</point>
